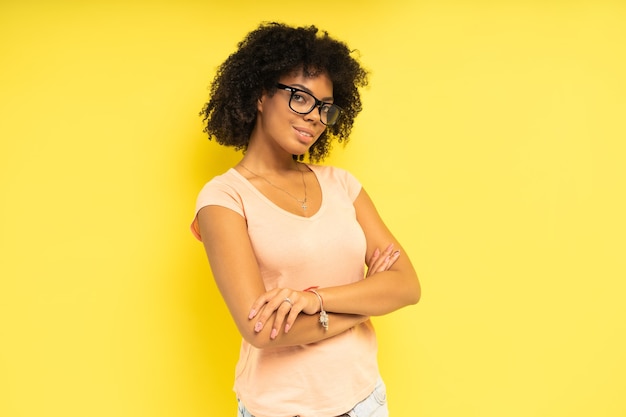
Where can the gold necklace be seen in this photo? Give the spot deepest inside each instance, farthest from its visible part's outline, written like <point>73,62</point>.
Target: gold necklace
<point>301,202</point>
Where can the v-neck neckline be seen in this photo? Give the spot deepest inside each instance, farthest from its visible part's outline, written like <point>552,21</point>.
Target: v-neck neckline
<point>268,201</point>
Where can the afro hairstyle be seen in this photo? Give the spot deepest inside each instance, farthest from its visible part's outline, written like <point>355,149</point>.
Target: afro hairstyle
<point>262,57</point>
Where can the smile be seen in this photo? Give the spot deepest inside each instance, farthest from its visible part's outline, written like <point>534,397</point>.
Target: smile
<point>303,133</point>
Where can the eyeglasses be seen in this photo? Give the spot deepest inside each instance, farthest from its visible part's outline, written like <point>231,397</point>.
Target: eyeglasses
<point>302,102</point>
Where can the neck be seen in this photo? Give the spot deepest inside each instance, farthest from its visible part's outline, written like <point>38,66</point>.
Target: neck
<point>263,166</point>
<point>264,154</point>
<point>264,160</point>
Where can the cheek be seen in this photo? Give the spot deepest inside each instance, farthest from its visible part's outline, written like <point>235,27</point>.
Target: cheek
<point>274,110</point>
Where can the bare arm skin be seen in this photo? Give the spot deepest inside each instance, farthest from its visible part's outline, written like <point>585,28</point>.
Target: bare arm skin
<point>234,266</point>
<point>382,292</point>
<point>392,286</point>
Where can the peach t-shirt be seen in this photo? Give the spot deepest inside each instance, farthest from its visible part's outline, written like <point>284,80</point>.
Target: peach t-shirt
<point>321,379</point>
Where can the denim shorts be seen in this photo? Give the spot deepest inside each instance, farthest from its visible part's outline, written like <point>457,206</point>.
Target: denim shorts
<point>375,405</point>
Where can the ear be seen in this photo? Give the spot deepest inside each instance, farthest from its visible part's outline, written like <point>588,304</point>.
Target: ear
<point>262,98</point>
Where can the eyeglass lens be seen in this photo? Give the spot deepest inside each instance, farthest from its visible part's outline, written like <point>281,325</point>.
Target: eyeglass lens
<point>304,103</point>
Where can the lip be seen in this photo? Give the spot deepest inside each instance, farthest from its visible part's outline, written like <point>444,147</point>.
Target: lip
<point>306,135</point>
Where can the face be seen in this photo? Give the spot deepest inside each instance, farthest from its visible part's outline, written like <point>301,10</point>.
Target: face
<point>292,132</point>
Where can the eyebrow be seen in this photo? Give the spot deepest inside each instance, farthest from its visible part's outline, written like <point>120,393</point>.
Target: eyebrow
<point>303,88</point>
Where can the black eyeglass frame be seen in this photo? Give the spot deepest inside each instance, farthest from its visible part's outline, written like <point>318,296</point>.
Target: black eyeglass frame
<point>317,103</point>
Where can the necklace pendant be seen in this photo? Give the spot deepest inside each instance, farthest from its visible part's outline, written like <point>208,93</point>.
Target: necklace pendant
<point>302,202</point>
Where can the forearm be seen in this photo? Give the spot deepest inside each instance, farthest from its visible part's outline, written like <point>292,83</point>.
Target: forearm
<point>377,295</point>
<point>306,329</point>
<point>385,289</point>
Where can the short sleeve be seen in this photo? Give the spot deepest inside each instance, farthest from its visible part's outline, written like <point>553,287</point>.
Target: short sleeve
<point>353,186</point>
<point>216,193</point>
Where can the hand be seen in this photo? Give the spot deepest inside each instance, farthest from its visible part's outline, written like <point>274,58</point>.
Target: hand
<point>380,262</point>
<point>287,304</point>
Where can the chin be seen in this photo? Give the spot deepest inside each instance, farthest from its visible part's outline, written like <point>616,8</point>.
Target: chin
<point>305,148</point>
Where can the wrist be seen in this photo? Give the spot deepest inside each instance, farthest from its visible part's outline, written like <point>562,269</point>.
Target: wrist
<point>323,316</point>
<point>314,303</point>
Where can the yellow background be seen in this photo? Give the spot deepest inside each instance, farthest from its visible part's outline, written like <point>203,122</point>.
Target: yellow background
<point>492,141</point>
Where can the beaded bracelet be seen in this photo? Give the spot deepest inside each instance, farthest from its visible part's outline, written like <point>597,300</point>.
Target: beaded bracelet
<point>323,315</point>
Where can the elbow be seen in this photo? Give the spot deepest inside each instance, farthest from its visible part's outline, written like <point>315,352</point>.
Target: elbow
<point>255,342</point>
<point>259,340</point>
<point>412,298</point>
<point>251,337</point>
<point>415,294</point>
<point>245,326</point>
<point>409,290</point>
<point>415,297</point>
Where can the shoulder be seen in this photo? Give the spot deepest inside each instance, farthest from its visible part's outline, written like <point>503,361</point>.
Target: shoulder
<point>230,182</point>
<point>228,178</point>
<point>338,176</point>
<point>331,172</point>
<point>223,190</point>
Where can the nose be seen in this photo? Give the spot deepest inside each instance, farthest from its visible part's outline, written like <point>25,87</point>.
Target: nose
<point>314,115</point>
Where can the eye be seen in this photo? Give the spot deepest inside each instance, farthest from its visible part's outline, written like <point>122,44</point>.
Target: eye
<point>298,97</point>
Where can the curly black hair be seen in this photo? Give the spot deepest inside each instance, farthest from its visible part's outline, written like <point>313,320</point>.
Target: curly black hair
<point>262,57</point>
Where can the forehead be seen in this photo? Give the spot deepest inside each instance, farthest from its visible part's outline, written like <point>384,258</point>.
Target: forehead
<point>319,84</point>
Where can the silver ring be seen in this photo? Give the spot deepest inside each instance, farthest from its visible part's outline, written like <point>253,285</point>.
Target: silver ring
<point>288,300</point>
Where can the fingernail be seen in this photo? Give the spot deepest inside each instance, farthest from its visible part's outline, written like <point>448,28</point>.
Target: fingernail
<point>287,327</point>
<point>396,254</point>
<point>273,334</point>
<point>258,326</point>
<point>252,313</point>
<point>376,252</point>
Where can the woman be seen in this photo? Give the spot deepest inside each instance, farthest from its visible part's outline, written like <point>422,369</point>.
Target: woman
<point>288,241</point>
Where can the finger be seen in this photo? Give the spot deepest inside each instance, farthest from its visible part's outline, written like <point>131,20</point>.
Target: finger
<point>393,258</point>
<point>374,257</point>
<point>262,309</point>
<point>372,262</point>
<point>381,263</point>
<point>279,318</point>
<point>260,302</point>
<point>388,250</point>
<point>264,314</point>
<point>258,326</point>
<point>385,257</point>
<point>389,261</point>
<point>385,264</point>
<point>291,319</point>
